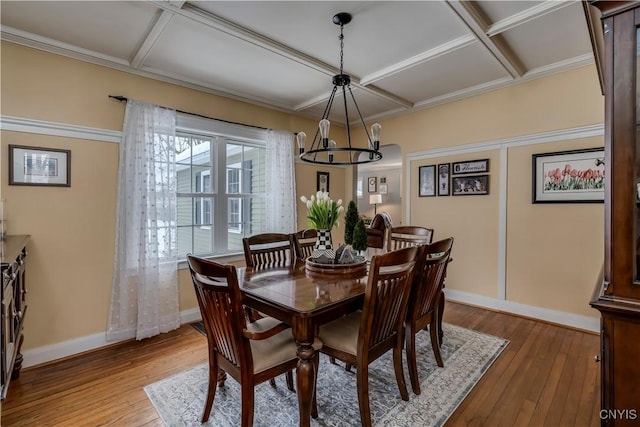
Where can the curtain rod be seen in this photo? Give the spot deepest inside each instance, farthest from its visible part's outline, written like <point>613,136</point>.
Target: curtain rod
<point>125,99</point>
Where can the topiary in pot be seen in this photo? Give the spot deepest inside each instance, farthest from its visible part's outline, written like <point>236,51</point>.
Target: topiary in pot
<point>350,221</point>
<point>359,237</point>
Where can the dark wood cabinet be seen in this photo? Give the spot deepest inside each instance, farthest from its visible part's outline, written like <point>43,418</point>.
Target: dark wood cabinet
<point>13,254</point>
<point>617,295</point>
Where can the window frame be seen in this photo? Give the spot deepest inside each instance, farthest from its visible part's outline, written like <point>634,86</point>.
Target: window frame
<point>220,134</point>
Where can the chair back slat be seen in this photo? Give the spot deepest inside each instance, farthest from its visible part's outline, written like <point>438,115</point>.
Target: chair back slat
<point>386,297</point>
<point>408,235</point>
<point>304,241</point>
<point>219,299</point>
<point>429,277</point>
<point>269,250</point>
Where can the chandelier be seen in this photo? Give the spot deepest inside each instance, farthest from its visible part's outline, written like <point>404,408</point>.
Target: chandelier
<point>324,150</point>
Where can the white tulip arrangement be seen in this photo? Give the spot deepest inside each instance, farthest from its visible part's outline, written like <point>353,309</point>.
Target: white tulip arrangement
<point>323,212</point>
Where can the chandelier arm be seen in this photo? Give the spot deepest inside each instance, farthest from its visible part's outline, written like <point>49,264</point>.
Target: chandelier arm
<point>366,131</point>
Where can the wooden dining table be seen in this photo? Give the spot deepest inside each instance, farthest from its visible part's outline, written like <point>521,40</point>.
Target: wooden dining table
<point>305,300</point>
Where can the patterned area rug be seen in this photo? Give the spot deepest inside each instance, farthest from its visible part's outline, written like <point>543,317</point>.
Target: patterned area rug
<point>467,355</point>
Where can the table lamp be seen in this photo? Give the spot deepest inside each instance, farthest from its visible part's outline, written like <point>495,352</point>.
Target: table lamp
<point>374,199</point>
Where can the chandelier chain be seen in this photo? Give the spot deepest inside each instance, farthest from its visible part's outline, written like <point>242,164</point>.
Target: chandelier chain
<point>341,48</point>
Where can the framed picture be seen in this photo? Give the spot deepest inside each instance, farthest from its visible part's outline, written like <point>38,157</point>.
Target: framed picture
<point>470,166</point>
<point>443,179</point>
<point>372,183</point>
<point>427,181</point>
<point>470,185</point>
<point>322,181</point>
<point>383,189</point>
<point>39,166</point>
<point>383,180</point>
<point>575,176</point>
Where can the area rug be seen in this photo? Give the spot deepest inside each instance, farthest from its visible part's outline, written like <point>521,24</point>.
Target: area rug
<point>467,355</point>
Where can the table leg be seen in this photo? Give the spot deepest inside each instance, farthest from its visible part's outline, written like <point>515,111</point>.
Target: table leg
<point>306,380</point>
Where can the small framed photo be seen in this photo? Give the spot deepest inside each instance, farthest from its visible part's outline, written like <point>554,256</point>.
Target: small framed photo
<point>383,189</point>
<point>443,179</point>
<point>372,184</point>
<point>575,176</point>
<point>470,166</point>
<point>322,181</point>
<point>383,180</point>
<point>39,166</point>
<point>427,181</point>
<point>470,185</point>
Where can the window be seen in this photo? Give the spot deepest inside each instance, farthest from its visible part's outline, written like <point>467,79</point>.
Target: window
<point>221,182</point>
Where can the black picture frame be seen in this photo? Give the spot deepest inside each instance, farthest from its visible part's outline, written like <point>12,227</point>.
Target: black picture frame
<point>372,184</point>
<point>322,181</point>
<point>427,181</point>
<point>470,185</point>
<point>573,176</point>
<point>470,166</point>
<point>39,166</point>
<point>444,179</point>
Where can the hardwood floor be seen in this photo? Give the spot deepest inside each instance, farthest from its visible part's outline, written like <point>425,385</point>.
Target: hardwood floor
<point>545,377</point>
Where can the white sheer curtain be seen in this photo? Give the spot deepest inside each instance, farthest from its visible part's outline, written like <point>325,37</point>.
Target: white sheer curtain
<point>144,294</point>
<point>281,183</point>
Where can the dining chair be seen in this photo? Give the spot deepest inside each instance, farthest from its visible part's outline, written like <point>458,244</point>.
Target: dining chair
<point>408,235</point>
<point>363,336</point>
<point>304,240</point>
<point>269,250</point>
<point>250,352</point>
<point>435,248</point>
<point>424,299</point>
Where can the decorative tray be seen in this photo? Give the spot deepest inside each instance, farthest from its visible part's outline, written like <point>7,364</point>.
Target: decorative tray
<point>352,268</point>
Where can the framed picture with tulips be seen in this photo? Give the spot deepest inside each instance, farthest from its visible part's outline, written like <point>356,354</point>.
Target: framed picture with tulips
<point>575,176</point>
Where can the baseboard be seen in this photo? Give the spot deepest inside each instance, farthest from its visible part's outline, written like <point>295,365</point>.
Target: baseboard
<point>49,353</point>
<point>585,323</point>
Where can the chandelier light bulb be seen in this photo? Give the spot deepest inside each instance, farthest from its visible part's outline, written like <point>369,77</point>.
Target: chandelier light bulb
<point>324,132</point>
<point>301,138</point>
<point>332,144</point>
<point>375,134</point>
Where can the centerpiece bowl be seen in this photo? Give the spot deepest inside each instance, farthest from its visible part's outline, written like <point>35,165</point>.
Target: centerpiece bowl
<point>355,268</point>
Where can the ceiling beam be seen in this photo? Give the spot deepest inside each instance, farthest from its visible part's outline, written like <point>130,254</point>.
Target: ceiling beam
<point>527,15</point>
<point>151,38</point>
<point>430,54</point>
<point>475,22</point>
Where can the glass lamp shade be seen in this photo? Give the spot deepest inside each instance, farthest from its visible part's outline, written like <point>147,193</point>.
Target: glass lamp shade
<point>324,132</point>
<point>301,138</point>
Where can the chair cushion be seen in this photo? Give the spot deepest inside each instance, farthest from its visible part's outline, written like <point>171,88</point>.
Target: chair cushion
<point>342,334</point>
<point>275,350</point>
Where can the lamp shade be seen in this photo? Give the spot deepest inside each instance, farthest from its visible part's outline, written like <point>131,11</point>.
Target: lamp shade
<point>374,199</point>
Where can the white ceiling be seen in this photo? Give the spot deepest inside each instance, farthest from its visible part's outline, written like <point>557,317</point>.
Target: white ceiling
<point>401,56</point>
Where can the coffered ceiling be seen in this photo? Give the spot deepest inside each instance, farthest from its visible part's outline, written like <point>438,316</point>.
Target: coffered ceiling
<point>401,55</point>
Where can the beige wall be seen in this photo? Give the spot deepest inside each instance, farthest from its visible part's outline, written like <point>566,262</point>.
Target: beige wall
<point>554,251</point>
<point>71,251</point>
<point>70,266</point>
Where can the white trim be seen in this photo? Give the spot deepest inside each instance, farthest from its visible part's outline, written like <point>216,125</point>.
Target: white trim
<point>43,127</point>
<point>518,141</point>
<point>586,323</point>
<point>49,353</point>
<point>502,225</point>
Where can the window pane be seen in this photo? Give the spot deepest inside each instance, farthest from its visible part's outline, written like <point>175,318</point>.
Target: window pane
<point>185,211</point>
<point>253,171</point>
